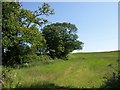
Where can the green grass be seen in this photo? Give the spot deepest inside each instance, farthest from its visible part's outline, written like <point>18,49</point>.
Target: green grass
<point>82,70</point>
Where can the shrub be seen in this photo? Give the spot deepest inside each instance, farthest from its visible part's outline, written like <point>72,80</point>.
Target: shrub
<point>113,82</point>
<point>29,58</point>
<point>8,78</point>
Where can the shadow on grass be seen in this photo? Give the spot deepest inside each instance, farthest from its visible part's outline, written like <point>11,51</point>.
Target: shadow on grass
<point>40,86</point>
<point>45,85</point>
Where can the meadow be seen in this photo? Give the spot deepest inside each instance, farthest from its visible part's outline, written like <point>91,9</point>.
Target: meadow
<point>81,70</point>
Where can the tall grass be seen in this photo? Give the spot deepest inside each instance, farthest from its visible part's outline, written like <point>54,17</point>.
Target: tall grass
<point>81,70</point>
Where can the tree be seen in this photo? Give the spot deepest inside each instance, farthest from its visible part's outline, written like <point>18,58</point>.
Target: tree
<point>61,39</point>
<point>20,30</point>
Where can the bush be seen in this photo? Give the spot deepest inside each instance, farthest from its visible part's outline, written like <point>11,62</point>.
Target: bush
<point>29,58</point>
<point>113,82</point>
<point>9,78</point>
<point>46,59</point>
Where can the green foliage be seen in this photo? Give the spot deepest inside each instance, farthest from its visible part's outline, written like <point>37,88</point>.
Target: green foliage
<point>114,81</point>
<point>14,55</point>
<point>20,31</point>
<point>9,23</point>
<point>8,78</point>
<point>29,58</point>
<point>46,59</point>
<point>61,38</point>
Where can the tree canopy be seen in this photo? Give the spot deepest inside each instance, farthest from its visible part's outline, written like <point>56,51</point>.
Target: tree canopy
<point>20,30</point>
<point>61,39</point>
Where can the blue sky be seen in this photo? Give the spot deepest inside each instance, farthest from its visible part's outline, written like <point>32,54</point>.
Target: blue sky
<point>97,22</point>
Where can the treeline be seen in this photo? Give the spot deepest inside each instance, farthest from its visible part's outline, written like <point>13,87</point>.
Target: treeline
<point>23,37</point>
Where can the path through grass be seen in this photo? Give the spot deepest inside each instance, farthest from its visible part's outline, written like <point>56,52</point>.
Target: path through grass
<point>81,70</point>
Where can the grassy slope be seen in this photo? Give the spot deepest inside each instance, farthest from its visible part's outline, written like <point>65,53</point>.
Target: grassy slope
<point>81,70</point>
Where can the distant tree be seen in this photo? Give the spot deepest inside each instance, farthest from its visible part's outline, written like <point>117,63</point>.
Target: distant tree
<point>61,39</point>
<point>20,30</point>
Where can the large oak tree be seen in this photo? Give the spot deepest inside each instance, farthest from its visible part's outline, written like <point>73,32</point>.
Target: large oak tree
<point>61,39</point>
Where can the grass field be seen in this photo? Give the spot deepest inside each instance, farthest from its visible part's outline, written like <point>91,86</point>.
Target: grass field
<point>81,70</point>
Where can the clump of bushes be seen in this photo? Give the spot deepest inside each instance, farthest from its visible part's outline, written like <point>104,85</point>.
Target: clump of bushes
<point>46,59</point>
<point>29,58</point>
<point>8,78</point>
<point>113,82</point>
<point>34,60</point>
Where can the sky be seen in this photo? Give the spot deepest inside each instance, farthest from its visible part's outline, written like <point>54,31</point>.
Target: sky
<point>97,22</point>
